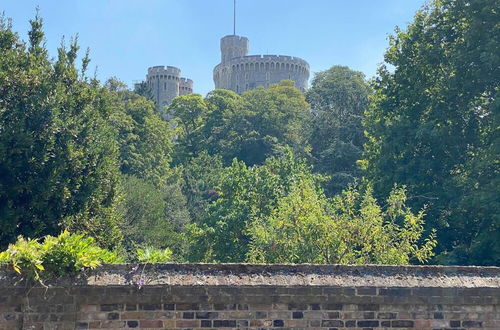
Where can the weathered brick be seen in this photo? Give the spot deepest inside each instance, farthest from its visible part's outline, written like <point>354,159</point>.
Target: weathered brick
<point>150,307</point>
<point>386,315</point>
<point>187,307</point>
<point>81,325</point>
<point>206,323</point>
<point>368,307</point>
<point>113,324</point>
<point>333,307</point>
<point>169,307</point>
<point>111,307</point>
<point>385,323</point>
<point>315,307</point>
<point>183,323</point>
<point>368,315</point>
<point>439,315</point>
<point>260,315</point>
<point>472,324</point>
<point>332,323</point>
<point>132,324</point>
<point>366,291</point>
<point>113,316</point>
<point>333,315</point>
<point>315,323</point>
<point>206,315</point>
<point>241,323</point>
<point>224,323</point>
<point>278,323</point>
<point>402,324</point>
<point>297,307</point>
<point>94,325</point>
<point>394,292</point>
<point>367,324</point>
<point>188,315</point>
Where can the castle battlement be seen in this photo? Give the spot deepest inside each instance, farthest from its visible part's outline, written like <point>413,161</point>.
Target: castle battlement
<point>160,69</point>
<point>166,83</point>
<point>240,72</point>
<point>186,81</point>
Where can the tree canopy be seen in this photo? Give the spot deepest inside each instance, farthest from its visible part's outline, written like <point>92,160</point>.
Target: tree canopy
<point>433,124</point>
<point>338,98</point>
<point>58,167</point>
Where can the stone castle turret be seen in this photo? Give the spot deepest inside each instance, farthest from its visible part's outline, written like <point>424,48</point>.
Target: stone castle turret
<point>240,72</point>
<point>165,83</point>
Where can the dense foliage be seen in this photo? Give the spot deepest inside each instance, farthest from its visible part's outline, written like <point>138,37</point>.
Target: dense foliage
<point>338,98</point>
<point>55,256</point>
<point>402,169</point>
<point>251,127</point>
<point>58,166</point>
<point>434,125</point>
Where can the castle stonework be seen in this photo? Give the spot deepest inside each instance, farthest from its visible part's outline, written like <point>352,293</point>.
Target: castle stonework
<point>166,83</point>
<point>240,72</point>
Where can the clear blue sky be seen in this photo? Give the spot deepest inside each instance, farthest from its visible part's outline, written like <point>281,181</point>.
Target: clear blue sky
<point>126,37</point>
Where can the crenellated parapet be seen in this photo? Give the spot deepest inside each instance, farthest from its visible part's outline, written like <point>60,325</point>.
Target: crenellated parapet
<point>166,83</point>
<point>245,72</point>
<point>185,86</point>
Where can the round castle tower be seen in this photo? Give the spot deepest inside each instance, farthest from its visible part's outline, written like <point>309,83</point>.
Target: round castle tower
<point>166,83</point>
<point>232,47</point>
<point>239,72</point>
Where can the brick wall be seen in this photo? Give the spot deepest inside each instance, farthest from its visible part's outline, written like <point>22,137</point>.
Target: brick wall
<point>195,296</point>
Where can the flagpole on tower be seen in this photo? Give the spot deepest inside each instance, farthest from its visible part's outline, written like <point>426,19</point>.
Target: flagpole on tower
<point>234,17</point>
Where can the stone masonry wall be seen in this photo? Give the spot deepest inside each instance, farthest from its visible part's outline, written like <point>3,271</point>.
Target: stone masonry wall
<point>199,296</point>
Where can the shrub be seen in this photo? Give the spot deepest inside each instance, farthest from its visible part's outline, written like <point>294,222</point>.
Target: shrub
<point>55,256</point>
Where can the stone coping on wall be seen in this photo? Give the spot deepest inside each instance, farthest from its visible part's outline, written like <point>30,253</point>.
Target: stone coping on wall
<point>248,275</point>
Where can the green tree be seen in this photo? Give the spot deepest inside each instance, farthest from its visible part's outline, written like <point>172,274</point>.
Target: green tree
<point>153,216</point>
<point>259,124</point>
<point>144,90</point>
<point>226,112</point>
<point>200,177</point>
<point>276,118</point>
<point>189,113</point>
<point>242,193</point>
<point>434,124</point>
<point>352,229</point>
<point>338,99</point>
<point>144,138</point>
<point>58,164</point>
<point>153,208</point>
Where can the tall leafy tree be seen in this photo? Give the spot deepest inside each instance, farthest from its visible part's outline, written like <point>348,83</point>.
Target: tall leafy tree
<point>58,163</point>
<point>153,208</point>
<point>338,99</point>
<point>144,138</point>
<point>276,118</point>
<point>434,124</point>
<point>252,127</point>
<point>189,113</point>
